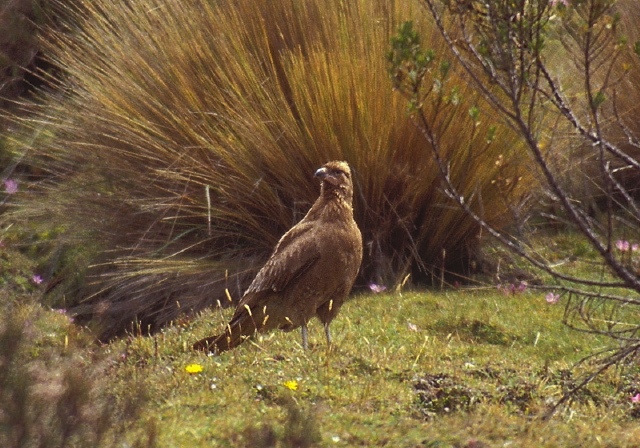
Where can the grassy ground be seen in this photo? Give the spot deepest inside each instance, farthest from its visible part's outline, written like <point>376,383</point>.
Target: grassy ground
<point>459,368</point>
<point>420,369</point>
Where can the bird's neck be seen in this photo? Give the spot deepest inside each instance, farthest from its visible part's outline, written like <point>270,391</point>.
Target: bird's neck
<point>332,204</point>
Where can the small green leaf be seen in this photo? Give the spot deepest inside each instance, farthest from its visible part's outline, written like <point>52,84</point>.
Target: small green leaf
<point>444,68</point>
<point>455,96</point>
<point>598,99</point>
<point>474,113</point>
<point>430,55</point>
<point>491,135</point>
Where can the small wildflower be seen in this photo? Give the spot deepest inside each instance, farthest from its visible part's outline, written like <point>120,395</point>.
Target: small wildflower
<point>412,327</point>
<point>10,186</point>
<point>522,287</point>
<point>636,398</point>
<point>564,3</point>
<point>622,245</point>
<point>36,279</point>
<point>193,368</point>
<point>635,247</point>
<point>552,298</point>
<point>507,290</point>
<point>291,385</point>
<point>377,288</point>
<point>64,312</point>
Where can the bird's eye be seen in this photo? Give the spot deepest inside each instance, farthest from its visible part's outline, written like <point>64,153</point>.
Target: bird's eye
<point>339,172</point>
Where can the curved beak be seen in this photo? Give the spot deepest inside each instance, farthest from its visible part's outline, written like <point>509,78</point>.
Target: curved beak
<point>326,176</point>
<point>321,173</point>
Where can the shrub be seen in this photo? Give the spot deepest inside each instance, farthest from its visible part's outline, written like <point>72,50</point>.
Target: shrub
<point>54,396</point>
<point>615,69</point>
<point>594,106</point>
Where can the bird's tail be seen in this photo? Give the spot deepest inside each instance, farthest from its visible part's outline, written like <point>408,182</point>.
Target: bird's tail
<point>237,331</point>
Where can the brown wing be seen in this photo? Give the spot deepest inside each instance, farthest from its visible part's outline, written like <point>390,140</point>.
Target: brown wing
<point>296,252</point>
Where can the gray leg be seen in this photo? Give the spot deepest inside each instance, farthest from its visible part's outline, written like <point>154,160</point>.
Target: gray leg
<point>327,332</point>
<point>305,338</point>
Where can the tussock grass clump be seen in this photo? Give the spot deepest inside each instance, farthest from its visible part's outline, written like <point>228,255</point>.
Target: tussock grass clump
<point>184,142</point>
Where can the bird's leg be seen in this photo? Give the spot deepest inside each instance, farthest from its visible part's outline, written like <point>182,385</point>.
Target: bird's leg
<point>327,332</point>
<point>305,338</point>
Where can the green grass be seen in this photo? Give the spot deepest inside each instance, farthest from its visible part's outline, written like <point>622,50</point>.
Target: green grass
<point>456,368</point>
<point>502,360</point>
<point>414,369</point>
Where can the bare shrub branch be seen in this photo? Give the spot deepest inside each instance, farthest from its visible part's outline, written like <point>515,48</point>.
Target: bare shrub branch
<point>510,51</point>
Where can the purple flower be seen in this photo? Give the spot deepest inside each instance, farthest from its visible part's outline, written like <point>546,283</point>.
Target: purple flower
<point>623,245</point>
<point>565,3</point>
<point>636,398</point>
<point>635,247</point>
<point>10,186</point>
<point>552,298</point>
<point>522,287</point>
<point>376,288</point>
<point>36,279</point>
<point>512,289</point>
<point>64,312</point>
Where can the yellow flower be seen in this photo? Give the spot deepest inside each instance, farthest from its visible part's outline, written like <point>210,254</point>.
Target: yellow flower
<point>293,384</point>
<point>193,368</point>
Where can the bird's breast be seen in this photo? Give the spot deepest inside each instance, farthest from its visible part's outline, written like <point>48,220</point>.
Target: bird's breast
<point>341,249</point>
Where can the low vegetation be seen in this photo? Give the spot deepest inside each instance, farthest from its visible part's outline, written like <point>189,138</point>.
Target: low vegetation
<point>467,367</point>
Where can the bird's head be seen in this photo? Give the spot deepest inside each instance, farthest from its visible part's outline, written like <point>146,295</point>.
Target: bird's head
<point>336,175</point>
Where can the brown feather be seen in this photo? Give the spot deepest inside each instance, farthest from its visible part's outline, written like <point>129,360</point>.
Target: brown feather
<point>310,272</point>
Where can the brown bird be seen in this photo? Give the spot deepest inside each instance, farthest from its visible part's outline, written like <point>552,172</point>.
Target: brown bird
<point>310,272</point>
